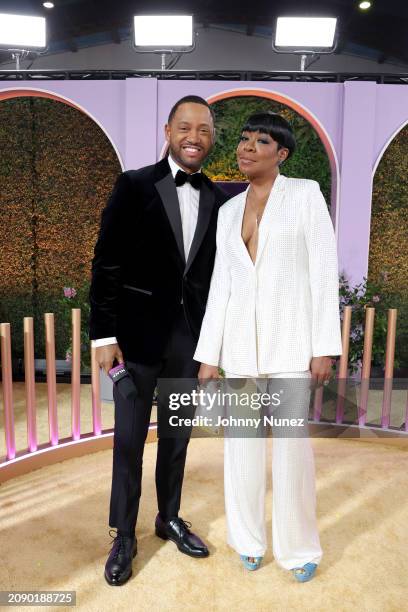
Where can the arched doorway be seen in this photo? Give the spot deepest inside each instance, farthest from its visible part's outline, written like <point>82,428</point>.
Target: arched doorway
<point>388,254</point>
<point>56,171</point>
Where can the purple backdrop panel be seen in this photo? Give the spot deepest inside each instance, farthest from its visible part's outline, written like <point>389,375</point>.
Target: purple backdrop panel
<point>391,114</point>
<point>357,120</point>
<point>353,221</point>
<point>140,122</point>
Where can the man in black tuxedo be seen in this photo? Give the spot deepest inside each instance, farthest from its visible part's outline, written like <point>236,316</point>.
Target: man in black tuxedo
<point>151,273</point>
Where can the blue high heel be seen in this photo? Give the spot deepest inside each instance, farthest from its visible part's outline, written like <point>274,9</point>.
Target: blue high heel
<point>304,573</point>
<point>249,564</point>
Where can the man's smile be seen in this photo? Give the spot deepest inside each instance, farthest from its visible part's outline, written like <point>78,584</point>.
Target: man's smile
<point>191,149</point>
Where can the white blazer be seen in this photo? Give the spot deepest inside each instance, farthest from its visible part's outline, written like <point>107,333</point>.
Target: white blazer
<point>276,315</point>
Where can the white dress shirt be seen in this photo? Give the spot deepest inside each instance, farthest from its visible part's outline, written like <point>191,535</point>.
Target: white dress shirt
<point>189,199</point>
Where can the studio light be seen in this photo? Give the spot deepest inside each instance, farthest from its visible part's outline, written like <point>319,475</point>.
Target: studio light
<point>163,34</point>
<point>22,34</point>
<point>305,32</point>
<point>22,31</point>
<point>364,5</point>
<point>305,36</point>
<point>163,31</point>
<point>48,5</point>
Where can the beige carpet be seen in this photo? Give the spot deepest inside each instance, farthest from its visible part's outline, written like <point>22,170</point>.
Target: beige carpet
<point>54,536</point>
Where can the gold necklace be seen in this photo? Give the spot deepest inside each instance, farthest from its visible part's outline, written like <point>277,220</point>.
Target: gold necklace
<point>258,215</point>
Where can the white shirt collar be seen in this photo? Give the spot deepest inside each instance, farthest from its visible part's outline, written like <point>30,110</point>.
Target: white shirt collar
<point>174,167</point>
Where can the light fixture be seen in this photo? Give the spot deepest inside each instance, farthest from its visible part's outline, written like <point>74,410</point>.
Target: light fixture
<point>20,34</point>
<point>164,34</point>
<point>22,31</point>
<point>48,5</point>
<point>305,36</point>
<point>364,5</point>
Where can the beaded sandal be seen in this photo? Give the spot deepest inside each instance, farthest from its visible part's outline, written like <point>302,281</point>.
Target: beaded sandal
<point>251,565</point>
<point>304,573</point>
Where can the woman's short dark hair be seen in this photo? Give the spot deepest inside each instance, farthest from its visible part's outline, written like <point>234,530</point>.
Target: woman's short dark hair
<point>275,125</point>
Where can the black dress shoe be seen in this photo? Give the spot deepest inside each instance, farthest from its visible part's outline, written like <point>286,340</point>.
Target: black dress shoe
<point>118,568</point>
<point>178,532</point>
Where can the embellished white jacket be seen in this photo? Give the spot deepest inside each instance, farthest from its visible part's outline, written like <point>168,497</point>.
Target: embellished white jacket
<point>274,315</point>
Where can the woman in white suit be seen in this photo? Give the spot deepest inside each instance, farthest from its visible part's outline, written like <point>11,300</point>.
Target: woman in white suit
<point>272,312</point>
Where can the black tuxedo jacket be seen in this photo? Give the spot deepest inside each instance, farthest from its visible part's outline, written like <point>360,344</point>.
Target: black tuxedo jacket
<point>139,272</point>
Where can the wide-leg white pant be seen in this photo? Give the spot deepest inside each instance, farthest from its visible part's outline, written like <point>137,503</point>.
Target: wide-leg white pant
<point>295,537</point>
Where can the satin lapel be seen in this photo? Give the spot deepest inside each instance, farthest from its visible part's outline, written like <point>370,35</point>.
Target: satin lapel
<point>272,207</point>
<point>205,208</point>
<point>168,194</point>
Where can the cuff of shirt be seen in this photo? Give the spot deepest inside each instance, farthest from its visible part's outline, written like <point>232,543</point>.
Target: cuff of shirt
<point>104,341</point>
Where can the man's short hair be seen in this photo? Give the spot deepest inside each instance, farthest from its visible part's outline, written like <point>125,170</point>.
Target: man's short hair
<point>190,99</point>
<point>275,125</point>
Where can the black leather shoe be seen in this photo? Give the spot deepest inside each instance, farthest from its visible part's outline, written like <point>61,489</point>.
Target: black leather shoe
<point>178,532</point>
<point>118,568</point>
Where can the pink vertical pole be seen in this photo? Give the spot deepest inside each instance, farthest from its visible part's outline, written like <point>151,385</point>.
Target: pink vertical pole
<point>343,367</point>
<point>366,366</point>
<point>51,377</point>
<point>76,373</point>
<point>29,374</point>
<point>96,394</point>
<point>6,370</point>
<point>317,405</point>
<point>389,367</point>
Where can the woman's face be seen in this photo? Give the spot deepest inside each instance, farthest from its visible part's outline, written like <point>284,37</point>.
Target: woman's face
<point>258,155</point>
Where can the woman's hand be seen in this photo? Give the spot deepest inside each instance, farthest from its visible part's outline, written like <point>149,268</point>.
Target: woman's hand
<point>206,372</point>
<point>321,370</point>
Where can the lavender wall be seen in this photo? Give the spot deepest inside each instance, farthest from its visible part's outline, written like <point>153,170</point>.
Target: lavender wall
<point>357,120</point>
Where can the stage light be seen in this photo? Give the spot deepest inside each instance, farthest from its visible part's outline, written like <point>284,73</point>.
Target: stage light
<point>48,5</point>
<point>22,31</point>
<point>305,36</point>
<point>305,32</point>
<point>163,34</point>
<point>173,31</point>
<point>364,5</point>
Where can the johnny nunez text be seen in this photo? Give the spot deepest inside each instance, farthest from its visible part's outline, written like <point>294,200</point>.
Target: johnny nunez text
<point>231,421</point>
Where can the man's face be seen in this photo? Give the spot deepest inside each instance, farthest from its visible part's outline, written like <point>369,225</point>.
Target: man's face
<point>190,135</point>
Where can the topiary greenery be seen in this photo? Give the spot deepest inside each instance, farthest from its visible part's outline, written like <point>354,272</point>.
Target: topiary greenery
<point>57,169</point>
<point>389,233</point>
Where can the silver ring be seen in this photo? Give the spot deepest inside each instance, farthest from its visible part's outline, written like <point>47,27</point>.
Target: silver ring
<point>326,382</point>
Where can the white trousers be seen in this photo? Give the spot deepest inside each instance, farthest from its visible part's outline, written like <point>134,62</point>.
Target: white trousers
<point>295,537</point>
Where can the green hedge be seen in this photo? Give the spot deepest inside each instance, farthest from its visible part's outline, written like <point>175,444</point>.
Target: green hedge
<point>57,169</point>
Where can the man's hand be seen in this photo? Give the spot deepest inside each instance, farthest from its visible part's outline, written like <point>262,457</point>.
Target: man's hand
<point>321,369</point>
<point>207,371</point>
<point>105,356</point>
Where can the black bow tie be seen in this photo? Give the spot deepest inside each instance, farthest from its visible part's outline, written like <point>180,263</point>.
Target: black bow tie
<point>195,179</point>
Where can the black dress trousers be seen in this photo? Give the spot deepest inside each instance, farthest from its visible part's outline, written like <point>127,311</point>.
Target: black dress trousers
<point>132,419</point>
